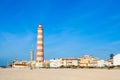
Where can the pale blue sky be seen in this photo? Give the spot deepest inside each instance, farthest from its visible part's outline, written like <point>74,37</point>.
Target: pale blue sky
<point>72,28</point>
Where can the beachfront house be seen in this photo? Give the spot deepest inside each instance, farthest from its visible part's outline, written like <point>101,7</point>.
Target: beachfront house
<point>116,60</point>
<point>87,61</point>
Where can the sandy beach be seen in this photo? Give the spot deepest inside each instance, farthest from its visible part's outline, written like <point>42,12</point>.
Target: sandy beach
<point>59,74</point>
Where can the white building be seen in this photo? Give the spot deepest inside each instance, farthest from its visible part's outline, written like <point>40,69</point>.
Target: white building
<point>55,63</point>
<point>68,62</point>
<point>101,63</point>
<point>116,60</point>
<point>108,63</point>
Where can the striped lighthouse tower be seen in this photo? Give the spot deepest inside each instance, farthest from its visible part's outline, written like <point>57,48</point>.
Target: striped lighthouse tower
<point>40,56</point>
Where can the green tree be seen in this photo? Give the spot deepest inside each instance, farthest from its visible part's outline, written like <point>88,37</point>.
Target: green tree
<point>111,56</point>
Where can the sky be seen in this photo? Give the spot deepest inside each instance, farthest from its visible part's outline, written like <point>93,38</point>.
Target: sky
<point>72,28</point>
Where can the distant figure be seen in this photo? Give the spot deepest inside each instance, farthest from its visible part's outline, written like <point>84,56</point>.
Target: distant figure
<point>108,67</point>
<point>31,67</point>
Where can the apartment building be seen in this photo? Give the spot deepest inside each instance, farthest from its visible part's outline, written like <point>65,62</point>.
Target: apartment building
<point>69,62</point>
<point>87,61</point>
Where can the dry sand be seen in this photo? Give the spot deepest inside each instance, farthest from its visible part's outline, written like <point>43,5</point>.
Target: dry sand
<point>59,74</point>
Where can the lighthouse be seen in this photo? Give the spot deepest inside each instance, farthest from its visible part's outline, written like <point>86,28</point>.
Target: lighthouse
<point>40,50</point>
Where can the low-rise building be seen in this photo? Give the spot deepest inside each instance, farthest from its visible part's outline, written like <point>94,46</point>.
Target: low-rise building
<point>55,63</point>
<point>39,65</point>
<point>69,62</point>
<point>63,62</point>
<point>101,63</point>
<point>20,64</point>
<point>109,62</point>
<point>116,60</point>
<point>87,61</point>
